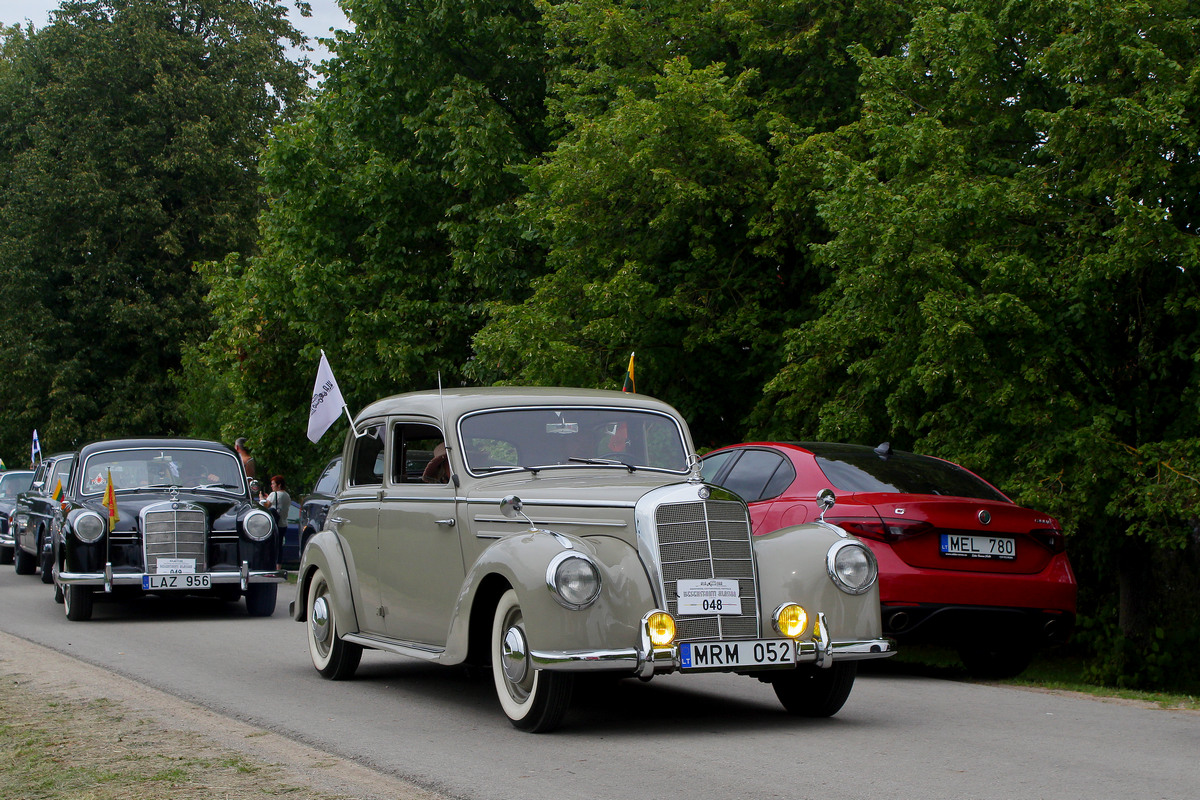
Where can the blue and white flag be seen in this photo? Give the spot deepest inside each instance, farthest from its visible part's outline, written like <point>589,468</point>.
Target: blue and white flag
<point>35,452</point>
<point>327,402</point>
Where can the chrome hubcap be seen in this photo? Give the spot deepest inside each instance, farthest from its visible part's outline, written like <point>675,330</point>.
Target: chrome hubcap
<point>318,620</point>
<point>514,656</point>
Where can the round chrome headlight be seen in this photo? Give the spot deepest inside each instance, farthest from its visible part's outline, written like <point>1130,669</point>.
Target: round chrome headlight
<point>258,525</point>
<point>89,526</point>
<point>574,579</point>
<point>852,566</point>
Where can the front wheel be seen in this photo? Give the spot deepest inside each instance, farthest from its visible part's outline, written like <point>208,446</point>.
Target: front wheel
<point>24,563</point>
<point>47,566</point>
<point>77,601</point>
<point>260,599</point>
<point>534,700</point>
<point>815,692</point>
<point>333,658</point>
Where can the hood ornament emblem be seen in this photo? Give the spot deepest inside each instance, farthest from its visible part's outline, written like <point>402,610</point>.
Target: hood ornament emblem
<point>693,465</point>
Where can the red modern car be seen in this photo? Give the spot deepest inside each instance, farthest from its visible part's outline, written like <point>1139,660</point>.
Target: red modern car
<point>959,563</point>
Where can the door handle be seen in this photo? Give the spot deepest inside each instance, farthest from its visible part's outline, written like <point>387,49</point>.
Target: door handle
<point>446,522</point>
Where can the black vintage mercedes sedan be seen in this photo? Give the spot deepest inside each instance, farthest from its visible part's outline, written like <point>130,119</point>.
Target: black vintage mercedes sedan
<point>146,516</point>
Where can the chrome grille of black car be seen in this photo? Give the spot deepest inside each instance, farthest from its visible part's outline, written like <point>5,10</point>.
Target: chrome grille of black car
<point>175,533</point>
<point>708,539</point>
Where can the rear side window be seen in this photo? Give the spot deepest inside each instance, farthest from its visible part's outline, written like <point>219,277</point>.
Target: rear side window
<point>327,483</point>
<point>367,459</point>
<point>859,469</point>
<point>760,475</point>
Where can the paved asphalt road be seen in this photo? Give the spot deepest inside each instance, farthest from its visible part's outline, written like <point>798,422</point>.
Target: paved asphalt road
<point>712,736</point>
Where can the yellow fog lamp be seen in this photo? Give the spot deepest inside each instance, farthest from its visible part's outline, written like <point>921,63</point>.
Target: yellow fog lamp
<point>661,628</point>
<point>791,620</point>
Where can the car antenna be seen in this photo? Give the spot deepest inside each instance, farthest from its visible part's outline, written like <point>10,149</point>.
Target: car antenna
<point>884,451</point>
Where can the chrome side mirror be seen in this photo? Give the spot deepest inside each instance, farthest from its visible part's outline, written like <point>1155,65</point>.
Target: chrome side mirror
<point>825,500</point>
<point>511,507</point>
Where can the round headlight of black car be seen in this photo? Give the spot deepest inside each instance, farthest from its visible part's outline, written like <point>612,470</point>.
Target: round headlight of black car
<point>574,579</point>
<point>88,526</point>
<point>851,566</point>
<point>258,525</point>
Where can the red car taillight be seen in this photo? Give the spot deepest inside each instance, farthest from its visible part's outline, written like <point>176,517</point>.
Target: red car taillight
<point>877,529</point>
<point>1051,539</point>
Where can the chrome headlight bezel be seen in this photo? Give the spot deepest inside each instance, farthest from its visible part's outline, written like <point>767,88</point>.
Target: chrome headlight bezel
<point>258,525</point>
<point>841,566</point>
<point>88,527</point>
<point>574,579</point>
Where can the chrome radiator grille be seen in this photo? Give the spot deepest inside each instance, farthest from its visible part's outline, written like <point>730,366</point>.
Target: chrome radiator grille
<point>708,539</point>
<point>175,533</point>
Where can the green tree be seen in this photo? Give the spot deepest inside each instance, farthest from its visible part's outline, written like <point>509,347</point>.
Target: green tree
<point>129,138</point>
<point>1015,273</point>
<point>389,222</point>
<point>659,205</point>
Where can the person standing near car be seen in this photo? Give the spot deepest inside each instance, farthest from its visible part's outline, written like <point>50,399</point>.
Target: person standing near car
<point>278,501</point>
<point>247,459</point>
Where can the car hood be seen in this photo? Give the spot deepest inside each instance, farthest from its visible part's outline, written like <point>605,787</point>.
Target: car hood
<point>570,486</point>
<point>7,506</point>
<point>130,504</point>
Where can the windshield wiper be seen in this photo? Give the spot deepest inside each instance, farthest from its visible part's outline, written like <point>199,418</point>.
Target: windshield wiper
<point>604,462</point>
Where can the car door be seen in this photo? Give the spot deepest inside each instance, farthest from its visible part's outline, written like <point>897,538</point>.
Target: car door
<point>31,507</point>
<point>355,517</point>
<point>419,545</point>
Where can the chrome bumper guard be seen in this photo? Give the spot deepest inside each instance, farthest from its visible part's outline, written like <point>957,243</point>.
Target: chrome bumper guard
<point>647,660</point>
<point>108,579</point>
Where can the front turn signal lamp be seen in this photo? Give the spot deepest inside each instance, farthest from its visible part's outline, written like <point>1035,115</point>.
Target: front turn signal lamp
<point>661,627</point>
<point>791,620</point>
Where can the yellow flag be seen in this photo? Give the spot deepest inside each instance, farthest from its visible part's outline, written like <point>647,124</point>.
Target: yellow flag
<point>628,387</point>
<point>110,502</point>
<point>57,494</point>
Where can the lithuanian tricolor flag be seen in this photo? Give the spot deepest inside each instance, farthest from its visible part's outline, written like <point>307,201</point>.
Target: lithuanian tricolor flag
<point>110,502</point>
<point>57,493</point>
<point>628,387</point>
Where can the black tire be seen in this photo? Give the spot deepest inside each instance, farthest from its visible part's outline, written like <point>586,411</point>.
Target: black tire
<point>261,598</point>
<point>814,692</point>
<point>24,563</point>
<point>47,565</point>
<point>995,662</point>
<point>335,659</point>
<point>77,601</point>
<point>6,555</point>
<point>534,700</point>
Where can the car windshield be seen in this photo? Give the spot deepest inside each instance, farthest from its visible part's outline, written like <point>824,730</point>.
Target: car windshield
<point>13,483</point>
<point>536,438</point>
<point>162,467</point>
<point>859,469</point>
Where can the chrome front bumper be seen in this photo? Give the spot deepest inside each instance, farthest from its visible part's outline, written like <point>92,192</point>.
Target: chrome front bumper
<point>108,579</point>
<point>648,660</point>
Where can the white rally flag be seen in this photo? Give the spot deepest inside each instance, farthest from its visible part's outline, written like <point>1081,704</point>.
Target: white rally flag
<point>327,402</point>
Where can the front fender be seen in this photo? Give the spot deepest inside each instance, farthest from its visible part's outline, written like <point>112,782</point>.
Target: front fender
<point>324,551</point>
<point>791,568</point>
<point>521,562</point>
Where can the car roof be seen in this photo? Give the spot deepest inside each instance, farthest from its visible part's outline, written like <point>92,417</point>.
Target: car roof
<point>132,444</point>
<point>453,403</point>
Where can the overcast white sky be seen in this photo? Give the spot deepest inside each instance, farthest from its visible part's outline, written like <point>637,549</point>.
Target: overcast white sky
<point>326,14</point>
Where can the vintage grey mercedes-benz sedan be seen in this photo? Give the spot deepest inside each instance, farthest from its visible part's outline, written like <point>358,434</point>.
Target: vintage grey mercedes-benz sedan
<point>546,532</point>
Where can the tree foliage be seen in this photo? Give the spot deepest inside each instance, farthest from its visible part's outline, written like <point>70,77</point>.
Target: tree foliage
<point>390,222</point>
<point>659,206</point>
<point>129,133</point>
<point>1015,268</point>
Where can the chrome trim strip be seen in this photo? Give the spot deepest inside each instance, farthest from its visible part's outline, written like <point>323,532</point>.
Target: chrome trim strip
<point>495,502</point>
<point>411,649</point>
<point>576,523</point>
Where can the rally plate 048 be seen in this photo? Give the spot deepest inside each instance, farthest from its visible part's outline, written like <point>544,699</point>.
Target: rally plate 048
<point>698,656</point>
